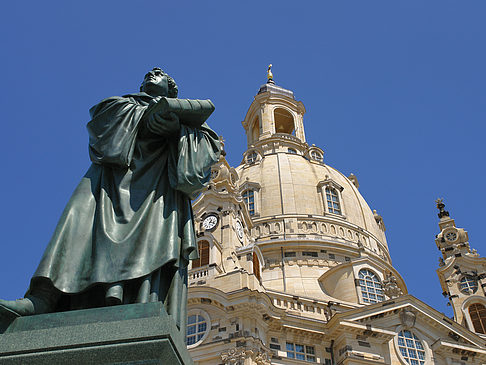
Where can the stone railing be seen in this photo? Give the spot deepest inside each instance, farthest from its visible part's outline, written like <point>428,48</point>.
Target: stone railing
<point>317,228</point>
<point>307,307</point>
<point>199,274</point>
<point>288,137</point>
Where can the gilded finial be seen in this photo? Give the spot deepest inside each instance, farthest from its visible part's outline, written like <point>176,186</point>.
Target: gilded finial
<point>270,74</point>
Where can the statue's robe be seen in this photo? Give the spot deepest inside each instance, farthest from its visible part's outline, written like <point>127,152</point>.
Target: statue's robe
<point>130,221</point>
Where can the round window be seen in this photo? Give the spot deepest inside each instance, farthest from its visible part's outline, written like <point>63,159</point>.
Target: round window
<point>315,155</point>
<point>251,157</point>
<point>468,284</point>
<point>197,328</point>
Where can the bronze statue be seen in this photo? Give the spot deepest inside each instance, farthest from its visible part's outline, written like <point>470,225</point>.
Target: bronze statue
<point>127,233</point>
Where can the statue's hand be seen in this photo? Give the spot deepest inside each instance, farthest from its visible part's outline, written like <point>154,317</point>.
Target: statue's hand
<point>168,124</point>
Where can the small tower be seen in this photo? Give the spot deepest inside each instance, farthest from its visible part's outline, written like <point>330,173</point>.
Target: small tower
<point>274,113</point>
<point>462,273</point>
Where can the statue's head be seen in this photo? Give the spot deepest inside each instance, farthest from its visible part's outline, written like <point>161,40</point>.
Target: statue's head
<point>158,83</point>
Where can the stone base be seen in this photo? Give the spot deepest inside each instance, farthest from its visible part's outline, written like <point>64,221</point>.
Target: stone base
<point>136,334</point>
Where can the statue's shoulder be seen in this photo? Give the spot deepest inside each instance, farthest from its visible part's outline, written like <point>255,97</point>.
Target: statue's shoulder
<point>114,101</point>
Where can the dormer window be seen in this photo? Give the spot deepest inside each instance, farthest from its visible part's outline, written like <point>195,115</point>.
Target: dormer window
<point>249,198</point>
<point>249,192</point>
<point>331,193</point>
<point>371,287</point>
<point>332,198</point>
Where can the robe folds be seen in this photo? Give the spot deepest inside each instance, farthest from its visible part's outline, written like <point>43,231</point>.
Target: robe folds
<point>130,218</point>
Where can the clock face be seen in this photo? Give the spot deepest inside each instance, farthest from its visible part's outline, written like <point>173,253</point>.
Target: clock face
<point>451,236</point>
<point>239,230</point>
<point>210,222</point>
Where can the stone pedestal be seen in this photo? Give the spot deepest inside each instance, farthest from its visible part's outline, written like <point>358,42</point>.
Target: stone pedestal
<point>136,334</point>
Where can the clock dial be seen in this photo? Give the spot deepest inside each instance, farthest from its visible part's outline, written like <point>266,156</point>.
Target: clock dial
<point>239,229</point>
<point>451,236</point>
<point>210,222</point>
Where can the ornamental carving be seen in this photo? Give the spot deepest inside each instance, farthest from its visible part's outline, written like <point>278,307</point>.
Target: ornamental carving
<point>237,356</point>
<point>390,286</point>
<point>407,317</point>
<point>262,358</point>
<point>234,356</point>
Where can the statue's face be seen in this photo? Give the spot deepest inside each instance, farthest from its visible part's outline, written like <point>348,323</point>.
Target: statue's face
<point>155,83</point>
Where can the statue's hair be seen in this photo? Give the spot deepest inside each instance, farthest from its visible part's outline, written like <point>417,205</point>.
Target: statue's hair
<point>173,89</point>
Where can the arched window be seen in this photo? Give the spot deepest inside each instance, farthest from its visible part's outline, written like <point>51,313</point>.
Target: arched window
<point>255,129</point>
<point>292,151</point>
<point>411,348</point>
<point>249,198</point>
<point>256,266</point>
<point>333,204</point>
<point>477,312</point>
<point>468,285</point>
<point>284,121</point>
<point>371,288</point>
<point>203,259</point>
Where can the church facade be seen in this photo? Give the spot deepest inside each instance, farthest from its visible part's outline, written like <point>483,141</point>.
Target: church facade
<point>294,266</point>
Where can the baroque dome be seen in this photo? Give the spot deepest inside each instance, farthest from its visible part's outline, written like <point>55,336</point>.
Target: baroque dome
<point>303,182</point>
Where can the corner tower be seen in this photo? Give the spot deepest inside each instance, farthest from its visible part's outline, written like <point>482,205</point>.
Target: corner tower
<point>462,273</point>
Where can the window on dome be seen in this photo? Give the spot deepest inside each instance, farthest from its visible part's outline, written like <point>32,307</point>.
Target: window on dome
<point>251,157</point>
<point>197,327</point>
<point>371,287</point>
<point>284,121</point>
<point>477,312</point>
<point>203,247</point>
<point>249,198</point>
<point>292,151</point>
<point>316,155</point>
<point>333,204</point>
<point>411,348</point>
<point>301,352</point>
<point>468,285</point>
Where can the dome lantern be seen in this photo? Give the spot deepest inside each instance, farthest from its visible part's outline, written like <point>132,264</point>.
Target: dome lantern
<point>274,113</point>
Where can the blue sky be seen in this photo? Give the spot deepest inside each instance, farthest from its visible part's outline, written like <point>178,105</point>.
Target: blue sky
<point>394,92</point>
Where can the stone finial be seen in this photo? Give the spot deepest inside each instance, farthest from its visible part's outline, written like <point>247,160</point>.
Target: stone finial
<point>354,180</point>
<point>379,220</point>
<point>270,75</point>
<point>441,206</point>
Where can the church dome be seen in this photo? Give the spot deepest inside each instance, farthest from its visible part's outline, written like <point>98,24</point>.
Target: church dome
<point>293,184</point>
<point>290,191</point>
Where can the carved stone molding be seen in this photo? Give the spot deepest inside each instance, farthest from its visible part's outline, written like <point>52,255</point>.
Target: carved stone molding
<point>238,355</point>
<point>407,317</point>
<point>234,356</point>
<point>390,286</point>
